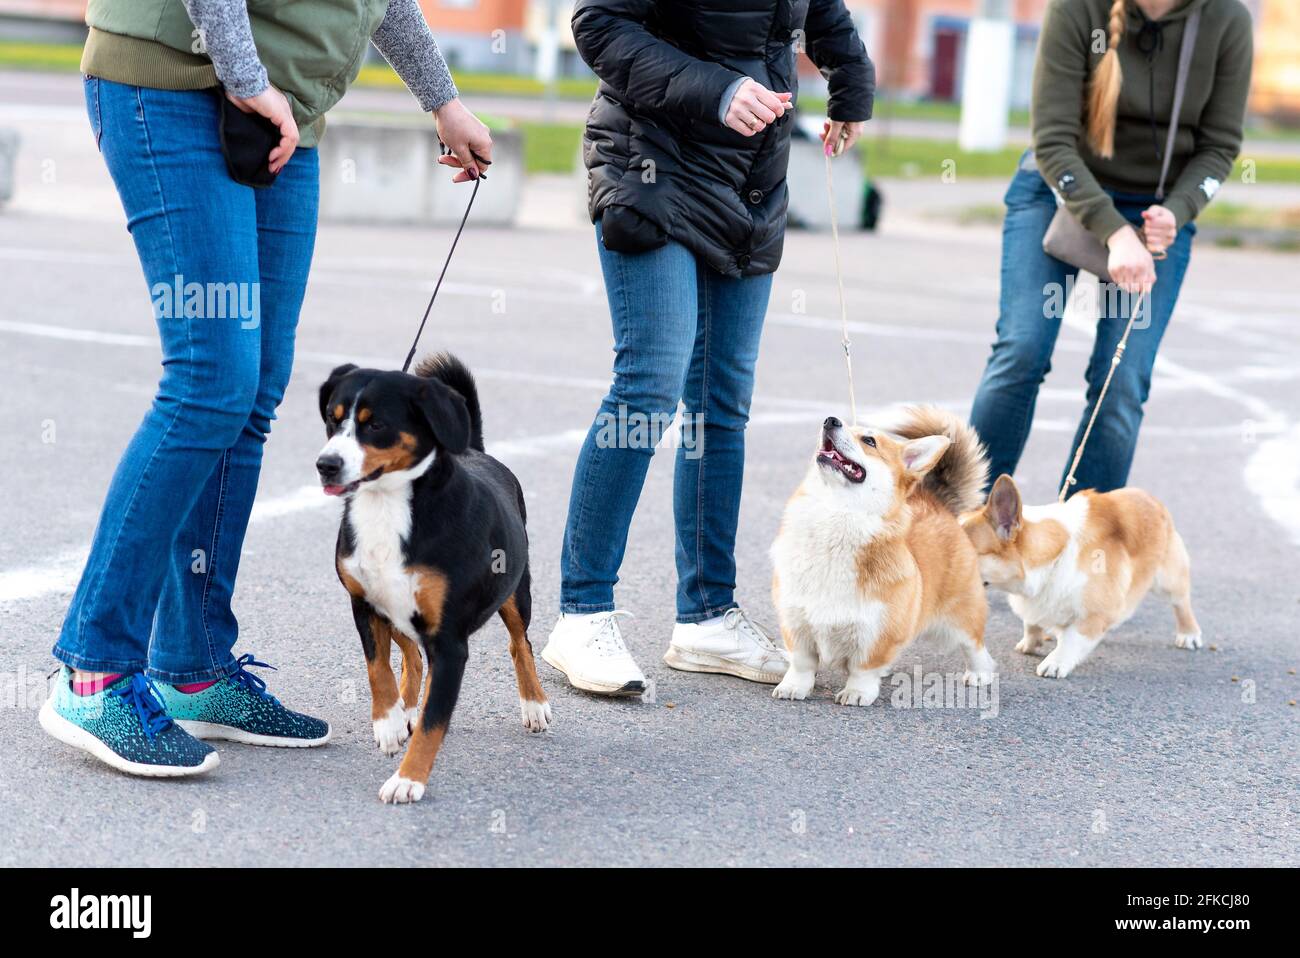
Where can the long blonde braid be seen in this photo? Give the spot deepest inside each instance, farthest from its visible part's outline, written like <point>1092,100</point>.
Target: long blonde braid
<point>1103,90</point>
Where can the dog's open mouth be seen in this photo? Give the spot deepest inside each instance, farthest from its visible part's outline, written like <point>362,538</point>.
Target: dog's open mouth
<point>831,458</point>
<point>337,490</point>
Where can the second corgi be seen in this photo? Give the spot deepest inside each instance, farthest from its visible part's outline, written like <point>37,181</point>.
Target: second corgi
<point>870,554</point>
<point>1078,568</point>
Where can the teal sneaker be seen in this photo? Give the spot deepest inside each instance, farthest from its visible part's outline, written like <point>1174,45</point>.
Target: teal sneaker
<point>240,709</point>
<point>126,726</point>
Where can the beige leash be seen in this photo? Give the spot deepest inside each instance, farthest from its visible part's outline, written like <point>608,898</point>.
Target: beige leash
<point>839,279</point>
<point>1114,363</point>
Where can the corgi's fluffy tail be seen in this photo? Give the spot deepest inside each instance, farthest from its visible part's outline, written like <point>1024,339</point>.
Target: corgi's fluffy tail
<point>958,478</point>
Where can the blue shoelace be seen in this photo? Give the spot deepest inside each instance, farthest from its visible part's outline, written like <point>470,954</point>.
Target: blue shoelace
<point>254,683</point>
<point>149,709</point>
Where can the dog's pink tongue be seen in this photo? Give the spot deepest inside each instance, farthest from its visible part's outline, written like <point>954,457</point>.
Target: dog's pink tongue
<point>332,490</point>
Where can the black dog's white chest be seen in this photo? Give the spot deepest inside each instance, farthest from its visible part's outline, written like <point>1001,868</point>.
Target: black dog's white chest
<point>380,523</point>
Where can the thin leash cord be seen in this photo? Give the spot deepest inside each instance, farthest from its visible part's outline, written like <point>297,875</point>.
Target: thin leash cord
<point>438,285</point>
<point>1096,407</point>
<point>839,279</point>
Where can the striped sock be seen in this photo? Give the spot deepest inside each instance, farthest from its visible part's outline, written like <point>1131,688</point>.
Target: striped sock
<point>92,686</point>
<point>189,688</point>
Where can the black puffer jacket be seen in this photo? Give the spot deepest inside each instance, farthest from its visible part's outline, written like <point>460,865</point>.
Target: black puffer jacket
<point>661,163</point>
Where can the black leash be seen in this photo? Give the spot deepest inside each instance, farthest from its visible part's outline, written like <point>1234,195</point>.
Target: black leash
<point>447,262</point>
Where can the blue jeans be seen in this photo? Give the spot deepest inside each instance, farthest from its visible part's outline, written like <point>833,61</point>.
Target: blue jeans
<point>1034,288</point>
<point>682,333</point>
<point>226,267</point>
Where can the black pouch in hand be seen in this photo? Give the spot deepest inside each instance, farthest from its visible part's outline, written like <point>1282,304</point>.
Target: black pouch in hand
<point>247,140</point>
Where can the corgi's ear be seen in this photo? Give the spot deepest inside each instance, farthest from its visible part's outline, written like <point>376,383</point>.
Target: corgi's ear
<point>920,455</point>
<point>1004,508</point>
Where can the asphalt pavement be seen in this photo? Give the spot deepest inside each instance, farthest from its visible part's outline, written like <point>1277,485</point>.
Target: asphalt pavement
<point>1146,755</point>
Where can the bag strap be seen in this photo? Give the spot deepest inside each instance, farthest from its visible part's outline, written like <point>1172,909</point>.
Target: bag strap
<point>1190,29</point>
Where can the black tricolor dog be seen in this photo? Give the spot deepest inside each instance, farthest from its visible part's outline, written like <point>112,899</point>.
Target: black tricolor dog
<point>431,545</point>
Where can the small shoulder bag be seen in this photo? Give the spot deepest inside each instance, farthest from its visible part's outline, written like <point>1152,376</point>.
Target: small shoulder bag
<point>1066,238</point>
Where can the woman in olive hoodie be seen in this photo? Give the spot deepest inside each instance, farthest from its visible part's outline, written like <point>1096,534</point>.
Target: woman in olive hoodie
<point>147,642</point>
<point>1103,95</point>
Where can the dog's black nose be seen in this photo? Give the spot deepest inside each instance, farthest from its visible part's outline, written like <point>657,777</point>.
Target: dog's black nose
<point>831,423</point>
<point>329,465</point>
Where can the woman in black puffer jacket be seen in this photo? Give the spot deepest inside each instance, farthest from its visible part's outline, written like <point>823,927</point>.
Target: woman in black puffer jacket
<point>687,144</point>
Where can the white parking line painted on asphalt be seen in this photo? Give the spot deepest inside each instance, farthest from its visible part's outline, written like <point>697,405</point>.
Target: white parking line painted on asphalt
<point>886,330</point>
<point>58,575</point>
<point>23,254</point>
<point>1272,472</point>
<point>1265,419</point>
<point>1273,475</point>
<point>72,334</point>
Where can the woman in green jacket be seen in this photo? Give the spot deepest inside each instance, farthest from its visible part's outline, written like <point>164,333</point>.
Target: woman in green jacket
<point>147,642</point>
<point>1103,96</point>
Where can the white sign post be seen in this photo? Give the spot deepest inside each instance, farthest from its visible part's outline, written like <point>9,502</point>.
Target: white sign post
<point>986,84</point>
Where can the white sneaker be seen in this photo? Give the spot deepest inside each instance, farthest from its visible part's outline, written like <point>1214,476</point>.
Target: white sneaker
<point>730,644</point>
<point>589,650</point>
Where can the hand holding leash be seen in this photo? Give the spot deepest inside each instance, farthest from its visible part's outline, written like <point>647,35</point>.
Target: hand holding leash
<point>840,135</point>
<point>466,142</point>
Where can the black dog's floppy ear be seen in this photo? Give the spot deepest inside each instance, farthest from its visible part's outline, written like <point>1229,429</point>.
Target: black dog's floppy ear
<point>444,410</point>
<point>328,386</point>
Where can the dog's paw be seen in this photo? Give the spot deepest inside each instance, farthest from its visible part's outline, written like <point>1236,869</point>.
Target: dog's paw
<point>851,696</point>
<point>392,731</point>
<point>858,691</point>
<point>1030,646</point>
<point>412,719</point>
<point>1055,666</point>
<point>537,715</point>
<point>793,687</point>
<point>1191,641</point>
<point>401,791</point>
<point>978,678</point>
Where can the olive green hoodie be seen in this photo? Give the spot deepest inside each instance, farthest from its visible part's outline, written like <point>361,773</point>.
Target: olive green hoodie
<point>1209,126</point>
<point>312,50</point>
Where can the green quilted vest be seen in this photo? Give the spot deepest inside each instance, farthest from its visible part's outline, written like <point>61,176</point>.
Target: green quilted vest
<point>312,49</point>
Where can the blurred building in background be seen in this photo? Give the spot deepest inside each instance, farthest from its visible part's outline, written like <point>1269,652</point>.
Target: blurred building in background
<point>480,35</point>
<point>918,45</point>
<point>1275,88</point>
<point>42,20</point>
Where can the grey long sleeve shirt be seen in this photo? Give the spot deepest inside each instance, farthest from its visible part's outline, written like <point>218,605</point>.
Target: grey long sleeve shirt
<point>403,38</point>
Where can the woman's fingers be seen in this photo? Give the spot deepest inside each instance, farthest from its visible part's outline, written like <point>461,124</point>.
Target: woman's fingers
<point>480,146</point>
<point>754,107</point>
<point>281,154</point>
<point>831,134</point>
<point>273,105</point>
<point>762,113</point>
<point>852,132</point>
<point>770,101</point>
<point>467,137</point>
<point>744,121</point>
<point>462,153</point>
<point>840,135</point>
<point>1134,279</point>
<point>449,160</point>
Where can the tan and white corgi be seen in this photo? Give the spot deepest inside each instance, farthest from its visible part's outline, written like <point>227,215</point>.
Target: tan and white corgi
<point>870,554</point>
<point>1077,569</point>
